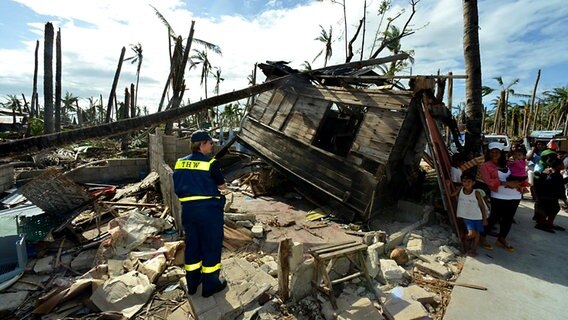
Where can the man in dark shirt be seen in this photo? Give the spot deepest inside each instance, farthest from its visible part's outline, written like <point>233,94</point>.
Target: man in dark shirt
<point>197,183</point>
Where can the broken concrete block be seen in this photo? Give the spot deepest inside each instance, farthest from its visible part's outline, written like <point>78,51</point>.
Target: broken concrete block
<point>12,300</point>
<point>296,256</point>
<point>301,280</point>
<point>416,293</point>
<point>444,256</point>
<point>270,267</point>
<point>433,269</point>
<point>374,252</point>
<point>84,261</point>
<point>369,238</point>
<point>241,217</point>
<point>245,224</point>
<point>450,249</point>
<point>396,308</point>
<point>391,272</point>
<point>258,231</point>
<point>350,306</point>
<point>415,245</point>
<point>395,239</point>
<point>44,265</point>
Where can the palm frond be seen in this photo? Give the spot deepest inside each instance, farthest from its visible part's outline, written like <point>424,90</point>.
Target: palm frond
<point>164,21</point>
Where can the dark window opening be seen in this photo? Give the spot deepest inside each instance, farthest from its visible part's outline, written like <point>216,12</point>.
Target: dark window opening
<point>339,128</point>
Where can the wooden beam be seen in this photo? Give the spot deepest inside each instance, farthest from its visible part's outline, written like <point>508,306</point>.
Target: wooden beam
<point>284,251</point>
<point>376,78</point>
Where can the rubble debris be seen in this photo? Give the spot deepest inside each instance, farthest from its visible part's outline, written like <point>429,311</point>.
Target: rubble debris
<point>258,230</point>
<point>147,183</point>
<point>125,294</point>
<point>391,272</point>
<point>12,300</point>
<point>434,269</point>
<point>397,308</point>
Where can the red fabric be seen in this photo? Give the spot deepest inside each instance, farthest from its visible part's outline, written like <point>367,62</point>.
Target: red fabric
<point>490,175</point>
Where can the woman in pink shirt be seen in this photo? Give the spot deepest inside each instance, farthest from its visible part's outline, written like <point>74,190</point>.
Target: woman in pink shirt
<point>505,197</point>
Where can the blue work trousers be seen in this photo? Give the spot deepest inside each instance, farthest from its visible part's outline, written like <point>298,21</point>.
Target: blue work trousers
<point>203,226</point>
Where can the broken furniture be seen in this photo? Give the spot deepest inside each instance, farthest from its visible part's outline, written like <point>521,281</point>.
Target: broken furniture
<point>325,258</point>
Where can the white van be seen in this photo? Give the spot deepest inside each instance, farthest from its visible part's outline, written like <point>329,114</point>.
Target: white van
<point>501,138</point>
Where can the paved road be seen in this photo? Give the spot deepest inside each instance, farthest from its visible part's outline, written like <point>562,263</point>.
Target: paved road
<point>530,283</point>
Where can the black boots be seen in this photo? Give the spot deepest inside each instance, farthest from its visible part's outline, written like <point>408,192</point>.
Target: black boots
<point>220,288</point>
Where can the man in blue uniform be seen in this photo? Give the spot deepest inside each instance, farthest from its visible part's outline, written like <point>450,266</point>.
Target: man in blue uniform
<point>197,183</point>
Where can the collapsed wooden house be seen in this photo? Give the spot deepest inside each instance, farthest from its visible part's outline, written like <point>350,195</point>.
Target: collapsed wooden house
<point>337,137</point>
<point>358,146</point>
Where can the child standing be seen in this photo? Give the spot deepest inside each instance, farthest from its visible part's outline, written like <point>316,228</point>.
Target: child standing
<point>518,168</point>
<point>471,209</point>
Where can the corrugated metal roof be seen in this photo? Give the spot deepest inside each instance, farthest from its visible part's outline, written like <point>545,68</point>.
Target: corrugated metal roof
<point>27,210</point>
<point>13,198</point>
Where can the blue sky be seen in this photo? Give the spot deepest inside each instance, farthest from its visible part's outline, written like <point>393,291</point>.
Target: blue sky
<point>517,37</point>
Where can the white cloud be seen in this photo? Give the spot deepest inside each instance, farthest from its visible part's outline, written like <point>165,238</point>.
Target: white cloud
<point>517,38</point>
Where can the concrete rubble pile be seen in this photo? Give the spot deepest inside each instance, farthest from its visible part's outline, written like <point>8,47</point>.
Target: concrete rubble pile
<point>121,257</point>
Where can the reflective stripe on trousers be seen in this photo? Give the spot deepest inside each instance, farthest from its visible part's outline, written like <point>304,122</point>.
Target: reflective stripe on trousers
<point>193,267</point>
<point>192,198</point>
<point>197,266</point>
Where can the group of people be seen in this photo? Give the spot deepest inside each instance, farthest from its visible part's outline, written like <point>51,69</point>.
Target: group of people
<point>492,186</point>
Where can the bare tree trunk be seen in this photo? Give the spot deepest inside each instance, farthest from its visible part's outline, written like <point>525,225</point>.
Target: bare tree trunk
<point>26,107</point>
<point>101,115</point>
<point>133,101</point>
<point>533,97</point>
<point>79,113</point>
<point>474,103</point>
<point>58,81</point>
<point>114,84</point>
<point>115,106</point>
<point>126,106</point>
<point>164,92</point>
<point>48,79</point>
<point>364,29</point>
<point>34,112</point>
<point>178,94</point>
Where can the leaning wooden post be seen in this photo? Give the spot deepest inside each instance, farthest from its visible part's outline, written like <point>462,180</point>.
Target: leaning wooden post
<point>284,251</point>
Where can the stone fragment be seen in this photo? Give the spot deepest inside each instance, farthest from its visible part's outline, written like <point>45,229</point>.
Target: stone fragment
<point>296,256</point>
<point>369,238</point>
<point>270,267</point>
<point>84,261</point>
<point>44,265</point>
<point>301,280</point>
<point>391,271</point>
<point>433,269</point>
<point>360,309</point>
<point>415,245</point>
<point>245,224</point>
<point>396,308</point>
<point>258,230</point>
<point>12,300</point>
<point>414,292</point>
